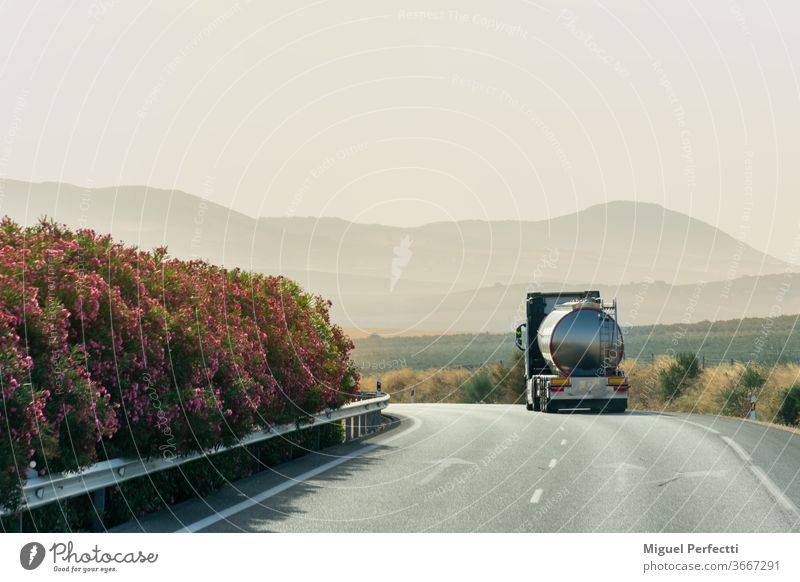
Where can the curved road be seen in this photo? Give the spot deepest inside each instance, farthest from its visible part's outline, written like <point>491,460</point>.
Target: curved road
<point>464,468</point>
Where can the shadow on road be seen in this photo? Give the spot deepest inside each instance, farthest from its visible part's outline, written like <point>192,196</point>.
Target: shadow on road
<point>285,504</point>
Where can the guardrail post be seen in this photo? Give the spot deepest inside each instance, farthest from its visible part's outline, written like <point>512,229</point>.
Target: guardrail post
<point>374,419</point>
<point>315,438</point>
<point>99,502</point>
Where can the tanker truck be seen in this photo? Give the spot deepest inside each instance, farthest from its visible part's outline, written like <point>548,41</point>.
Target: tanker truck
<point>573,348</point>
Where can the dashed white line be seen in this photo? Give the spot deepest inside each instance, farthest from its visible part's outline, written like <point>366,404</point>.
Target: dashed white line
<point>537,495</point>
<point>563,442</point>
<point>553,463</point>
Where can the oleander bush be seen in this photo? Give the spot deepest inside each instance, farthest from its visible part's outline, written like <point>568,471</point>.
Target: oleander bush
<point>108,350</point>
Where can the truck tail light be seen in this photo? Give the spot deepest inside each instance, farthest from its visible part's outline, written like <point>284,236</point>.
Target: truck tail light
<point>619,383</point>
<point>558,384</point>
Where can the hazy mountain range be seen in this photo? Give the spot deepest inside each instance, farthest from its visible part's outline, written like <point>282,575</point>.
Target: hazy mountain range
<point>458,276</point>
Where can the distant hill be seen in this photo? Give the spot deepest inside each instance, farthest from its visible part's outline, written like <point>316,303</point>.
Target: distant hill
<point>466,275</point>
<point>499,308</point>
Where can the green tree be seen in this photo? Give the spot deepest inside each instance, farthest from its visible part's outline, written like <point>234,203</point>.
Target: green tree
<point>676,378</point>
<point>736,400</point>
<point>753,377</point>
<point>789,411</point>
<point>479,388</point>
<point>737,395</point>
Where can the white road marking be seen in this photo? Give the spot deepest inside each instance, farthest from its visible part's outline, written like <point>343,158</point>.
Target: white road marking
<point>553,463</point>
<point>537,495</point>
<point>196,526</point>
<point>560,428</point>
<point>563,442</point>
<point>737,449</point>
<point>774,490</point>
<point>257,499</point>
<point>704,427</point>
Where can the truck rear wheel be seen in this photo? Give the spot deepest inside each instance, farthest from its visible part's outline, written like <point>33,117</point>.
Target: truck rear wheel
<point>548,406</point>
<point>537,405</point>
<point>528,406</point>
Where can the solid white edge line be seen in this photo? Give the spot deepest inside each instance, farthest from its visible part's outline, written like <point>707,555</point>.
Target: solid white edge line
<point>759,473</point>
<point>704,427</point>
<point>537,495</point>
<point>776,492</point>
<point>271,492</point>
<point>196,526</point>
<point>737,449</point>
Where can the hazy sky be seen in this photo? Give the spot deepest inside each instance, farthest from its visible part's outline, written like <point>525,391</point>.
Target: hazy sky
<point>404,113</point>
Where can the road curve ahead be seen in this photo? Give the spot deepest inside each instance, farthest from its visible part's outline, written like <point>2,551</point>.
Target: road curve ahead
<point>465,468</point>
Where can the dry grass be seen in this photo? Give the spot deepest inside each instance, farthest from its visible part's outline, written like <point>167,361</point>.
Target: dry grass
<point>497,383</point>
<point>706,394</point>
<point>428,385</point>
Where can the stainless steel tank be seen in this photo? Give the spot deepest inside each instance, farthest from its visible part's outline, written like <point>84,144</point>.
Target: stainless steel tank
<point>580,339</point>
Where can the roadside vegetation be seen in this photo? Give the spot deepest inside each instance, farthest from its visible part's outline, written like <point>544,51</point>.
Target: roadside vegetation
<point>109,351</point>
<point>677,384</point>
<point>490,384</point>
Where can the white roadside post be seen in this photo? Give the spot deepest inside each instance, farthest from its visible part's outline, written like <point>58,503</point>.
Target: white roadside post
<point>753,400</point>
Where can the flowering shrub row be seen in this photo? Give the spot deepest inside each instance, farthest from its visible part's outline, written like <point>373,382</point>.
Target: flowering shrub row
<point>106,350</point>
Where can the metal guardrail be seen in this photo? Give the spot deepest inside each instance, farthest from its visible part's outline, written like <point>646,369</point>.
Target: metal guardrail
<point>358,418</point>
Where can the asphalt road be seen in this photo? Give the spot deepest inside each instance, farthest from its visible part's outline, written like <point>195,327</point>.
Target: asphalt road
<point>465,468</point>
